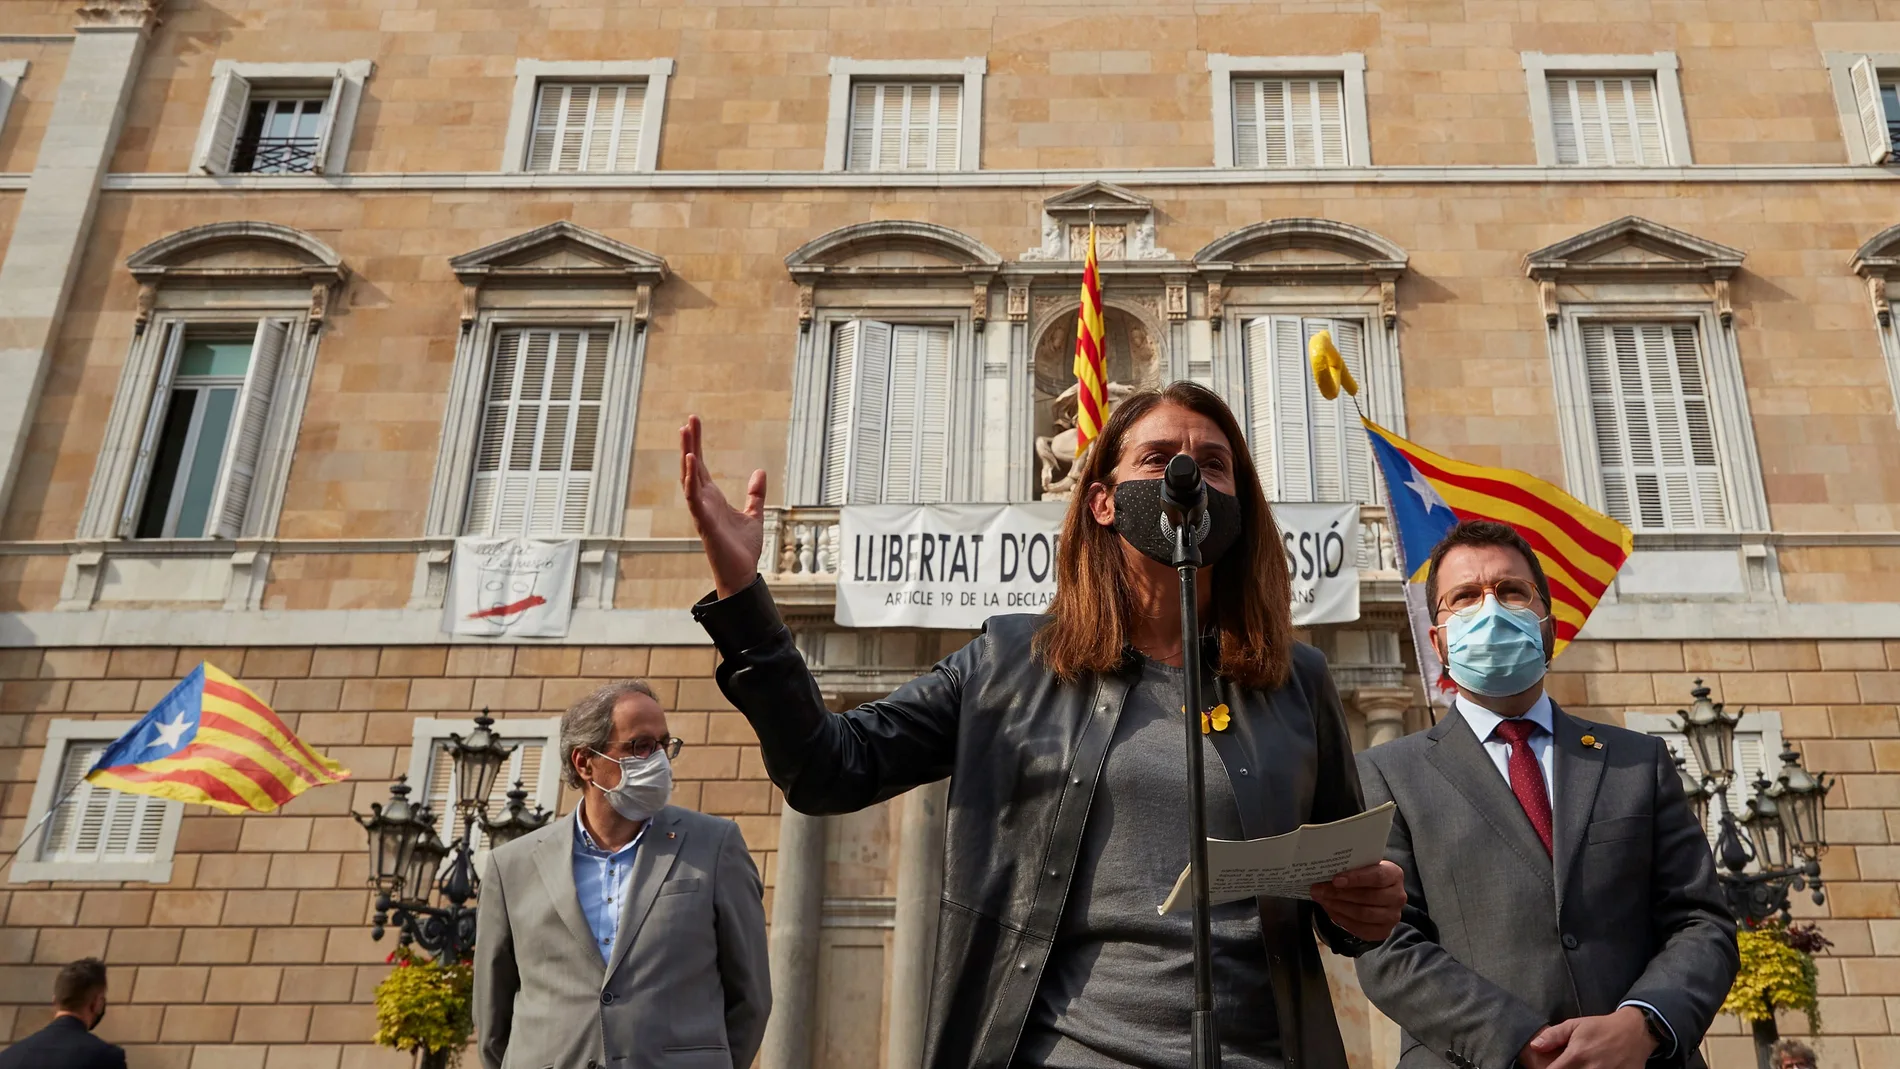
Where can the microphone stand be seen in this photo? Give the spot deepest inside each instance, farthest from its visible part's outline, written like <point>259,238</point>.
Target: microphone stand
<point>1205,1036</point>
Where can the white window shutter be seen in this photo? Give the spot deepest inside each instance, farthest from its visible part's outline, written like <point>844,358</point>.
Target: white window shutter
<point>845,343</point>
<point>326,124</point>
<point>546,134</point>
<point>1247,127</point>
<point>1563,121</point>
<point>947,155</point>
<point>230,98</point>
<point>901,423</point>
<point>1355,452</point>
<point>1257,347</point>
<point>1329,101</point>
<point>862,151</point>
<point>239,470</point>
<point>1606,420</point>
<point>98,824</point>
<point>154,426</point>
<point>1655,430</point>
<point>539,442</point>
<point>1873,114</point>
<point>1645,116</point>
<point>933,441</point>
<point>628,129</point>
<point>1325,458</point>
<point>1292,436</point>
<point>869,409</point>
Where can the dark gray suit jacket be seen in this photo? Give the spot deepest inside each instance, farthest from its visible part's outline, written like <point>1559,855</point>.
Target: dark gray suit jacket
<point>687,986</point>
<point>1626,906</point>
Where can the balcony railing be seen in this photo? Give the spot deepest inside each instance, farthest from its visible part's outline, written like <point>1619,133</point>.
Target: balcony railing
<point>275,155</point>
<point>801,546</point>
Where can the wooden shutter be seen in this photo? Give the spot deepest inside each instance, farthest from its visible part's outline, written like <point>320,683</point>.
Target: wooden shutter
<point>1341,454</point>
<point>1289,122</point>
<point>1607,122</point>
<point>239,471</point>
<point>587,128</point>
<point>933,437</point>
<point>905,127</point>
<point>1873,113</point>
<point>948,152</point>
<point>861,153</point>
<point>1292,431</point>
<point>155,408</point>
<point>97,824</point>
<point>1656,443</point>
<point>917,424</point>
<point>1257,348</point>
<point>326,124</point>
<point>230,99</point>
<point>540,437</point>
<point>855,416</point>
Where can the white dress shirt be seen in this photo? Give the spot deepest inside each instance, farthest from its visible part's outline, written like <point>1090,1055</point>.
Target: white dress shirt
<point>1484,724</point>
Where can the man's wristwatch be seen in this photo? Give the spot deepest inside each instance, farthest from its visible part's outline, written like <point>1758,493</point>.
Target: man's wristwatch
<point>1657,1030</point>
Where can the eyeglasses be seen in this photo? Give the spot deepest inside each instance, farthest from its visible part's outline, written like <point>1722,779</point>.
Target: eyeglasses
<point>641,748</point>
<point>1511,593</point>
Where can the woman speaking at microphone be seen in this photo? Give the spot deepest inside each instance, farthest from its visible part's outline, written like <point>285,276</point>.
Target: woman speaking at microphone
<point>1068,783</point>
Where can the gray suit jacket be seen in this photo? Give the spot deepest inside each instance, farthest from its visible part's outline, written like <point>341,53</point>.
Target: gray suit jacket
<point>687,986</point>
<point>1625,907</point>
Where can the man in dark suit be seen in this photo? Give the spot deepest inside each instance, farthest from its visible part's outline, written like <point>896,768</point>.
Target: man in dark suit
<point>1568,914</point>
<point>79,1004</point>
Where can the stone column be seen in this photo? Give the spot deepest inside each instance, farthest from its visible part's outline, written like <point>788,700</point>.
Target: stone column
<point>1384,709</point>
<point>914,943</point>
<point>797,897</point>
<point>55,216</point>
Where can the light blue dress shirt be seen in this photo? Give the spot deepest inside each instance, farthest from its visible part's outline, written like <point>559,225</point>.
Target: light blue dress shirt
<point>1484,724</point>
<point>601,879</point>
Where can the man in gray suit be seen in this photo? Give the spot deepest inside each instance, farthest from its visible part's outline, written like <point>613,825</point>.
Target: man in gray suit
<point>631,936</point>
<point>1567,910</point>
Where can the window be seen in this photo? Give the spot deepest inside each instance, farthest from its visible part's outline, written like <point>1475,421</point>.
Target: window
<point>587,127</point>
<point>1289,111</point>
<point>1306,447</point>
<point>586,117</point>
<point>97,834</point>
<point>905,126</point>
<point>204,430</point>
<point>279,118</point>
<point>1289,122</point>
<point>1655,437</point>
<point>1757,752</point>
<point>904,115</point>
<point>534,466</point>
<point>1607,111</point>
<point>535,762</point>
<point>1606,122</point>
<point>1867,89</point>
<point>887,420</point>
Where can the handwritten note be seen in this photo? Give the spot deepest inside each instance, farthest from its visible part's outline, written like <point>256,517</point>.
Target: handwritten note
<point>1284,866</point>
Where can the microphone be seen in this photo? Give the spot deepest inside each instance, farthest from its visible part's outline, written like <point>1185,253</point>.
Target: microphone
<point>1184,496</point>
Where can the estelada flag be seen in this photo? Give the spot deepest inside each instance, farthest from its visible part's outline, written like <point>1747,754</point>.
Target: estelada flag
<point>212,741</point>
<point>1579,548</point>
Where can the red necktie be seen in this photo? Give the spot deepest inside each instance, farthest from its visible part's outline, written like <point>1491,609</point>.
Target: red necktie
<point>1527,777</point>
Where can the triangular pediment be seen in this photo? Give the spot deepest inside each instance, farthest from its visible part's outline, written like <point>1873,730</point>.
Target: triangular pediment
<point>1099,197</point>
<point>559,248</point>
<point>1637,245</point>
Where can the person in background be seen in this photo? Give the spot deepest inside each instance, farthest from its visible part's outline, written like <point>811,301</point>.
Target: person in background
<point>1063,738</point>
<point>633,934</point>
<point>1570,916</point>
<point>1793,1054</point>
<point>79,1004</point>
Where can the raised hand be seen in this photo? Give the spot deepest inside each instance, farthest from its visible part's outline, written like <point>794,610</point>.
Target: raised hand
<point>731,537</point>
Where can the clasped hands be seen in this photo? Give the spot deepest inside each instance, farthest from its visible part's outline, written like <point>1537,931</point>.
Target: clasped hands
<point>1618,1040</point>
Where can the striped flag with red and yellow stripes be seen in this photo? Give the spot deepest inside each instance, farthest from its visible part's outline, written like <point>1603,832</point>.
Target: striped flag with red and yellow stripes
<point>1091,362</point>
<point>1579,548</point>
<point>212,741</point>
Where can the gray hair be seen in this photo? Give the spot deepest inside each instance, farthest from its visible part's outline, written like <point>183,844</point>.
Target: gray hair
<point>588,724</point>
<point>1796,1048</point>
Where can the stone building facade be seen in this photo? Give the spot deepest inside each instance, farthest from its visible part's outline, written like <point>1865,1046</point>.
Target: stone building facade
<point>1638,248</point>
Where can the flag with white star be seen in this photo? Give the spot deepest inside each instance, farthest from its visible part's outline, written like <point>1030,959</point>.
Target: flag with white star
<point>212,741</point>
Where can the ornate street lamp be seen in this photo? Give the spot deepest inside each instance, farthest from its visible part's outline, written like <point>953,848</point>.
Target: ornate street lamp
<point>1783,833</point>
<point>406,854</point>
<point>516,820</point>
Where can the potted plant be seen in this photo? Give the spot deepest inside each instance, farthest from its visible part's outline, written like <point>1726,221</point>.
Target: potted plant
<point>426,1007</point>
<point>1777,974</point>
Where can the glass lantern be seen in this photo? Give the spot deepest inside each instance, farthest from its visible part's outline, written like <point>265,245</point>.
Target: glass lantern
<point>425,859</point>
<point>1803,802</point>
<point>393,829</point>
<point>516,820</point>
<point>1711,734</point>
<point>1763,826</point>
<point>478,762</point>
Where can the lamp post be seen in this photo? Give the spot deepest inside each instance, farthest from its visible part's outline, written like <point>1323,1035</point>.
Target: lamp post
<point>432,909</point>
<point>1782,833</point>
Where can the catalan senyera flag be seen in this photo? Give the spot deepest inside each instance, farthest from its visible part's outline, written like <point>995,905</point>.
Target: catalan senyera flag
<point>212,741</point>
<point>1579,548</point>
<point>1091,363</point>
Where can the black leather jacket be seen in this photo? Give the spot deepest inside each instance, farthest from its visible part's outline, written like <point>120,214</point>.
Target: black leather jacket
<point>1024,753</point>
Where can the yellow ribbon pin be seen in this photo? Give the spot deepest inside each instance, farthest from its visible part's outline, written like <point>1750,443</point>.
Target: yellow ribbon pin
<point>1591,741</point>
<point>1218,717</point>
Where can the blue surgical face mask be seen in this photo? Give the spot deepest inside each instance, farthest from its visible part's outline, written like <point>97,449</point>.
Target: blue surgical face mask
<point>1495,651</point>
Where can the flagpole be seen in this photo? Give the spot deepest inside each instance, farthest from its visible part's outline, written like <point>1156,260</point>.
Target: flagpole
<point>46,816</point>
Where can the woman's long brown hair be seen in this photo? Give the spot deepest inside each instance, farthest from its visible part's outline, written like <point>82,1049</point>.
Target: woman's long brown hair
<point>1094,604</point>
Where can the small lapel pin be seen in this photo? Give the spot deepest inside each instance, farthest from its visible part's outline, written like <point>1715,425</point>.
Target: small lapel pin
<point>1591,742</point>
<point>670,835</point>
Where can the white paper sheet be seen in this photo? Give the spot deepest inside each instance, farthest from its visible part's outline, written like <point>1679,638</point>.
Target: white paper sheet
<point>1284,866</point>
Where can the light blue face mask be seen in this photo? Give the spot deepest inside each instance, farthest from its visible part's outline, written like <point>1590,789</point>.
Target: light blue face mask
<point>1495,651</point>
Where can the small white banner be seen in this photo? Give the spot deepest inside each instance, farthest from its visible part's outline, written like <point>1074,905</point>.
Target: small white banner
<point>512,587</point>
<point>955,566</point>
